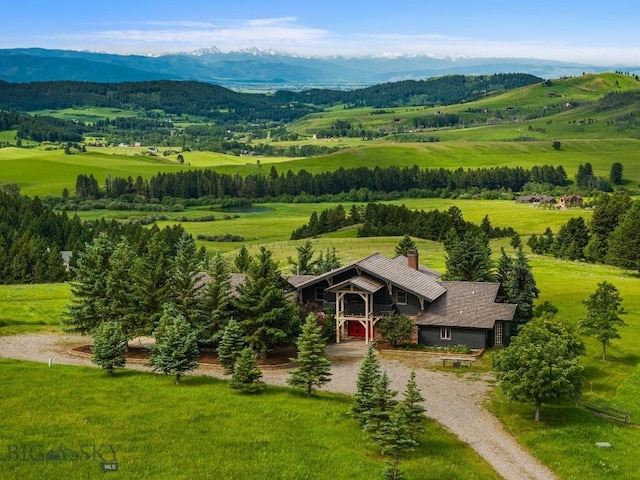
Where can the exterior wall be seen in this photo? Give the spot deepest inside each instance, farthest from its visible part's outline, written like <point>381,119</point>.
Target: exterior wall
<point>472,338</point>
<point>381,298</point>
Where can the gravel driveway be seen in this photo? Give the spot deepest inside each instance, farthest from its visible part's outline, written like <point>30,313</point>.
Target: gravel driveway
<point>452,400</point>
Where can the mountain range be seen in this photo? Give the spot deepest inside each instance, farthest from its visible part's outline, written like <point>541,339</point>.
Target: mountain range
<point>255,69</point>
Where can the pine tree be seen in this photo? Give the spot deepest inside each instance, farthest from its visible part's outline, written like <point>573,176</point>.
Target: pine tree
<point>382,403</point>
<point>314,369</point>
<point>265,315</point>
<point>515,241</point>
<point>405,245</point>
<point>230,346</point>
<point>186,271</point>
<point>521,288</point>
<point>121,291</point>
<point>304,263</point>
<point>468,258</point>
<point>327,261</point>
<point>624,243</point>
<point>109,343</point>
<point>414,409</point>
<point>176,349</point>
<point>151,271</point>
<point>243,260</point>
<point>367,378</point>
<point>89,303</point>
<point>505,263</point>
<point>246,375</point>
<point>215,298</point>
<point>394,437</point>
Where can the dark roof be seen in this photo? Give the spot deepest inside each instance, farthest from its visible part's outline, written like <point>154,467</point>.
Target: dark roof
<point>236,280</point>
<point>422,282</point>
<point>535,198</point>
<point>467,304</point>
<point>360,282</point>
<point>296,280</point>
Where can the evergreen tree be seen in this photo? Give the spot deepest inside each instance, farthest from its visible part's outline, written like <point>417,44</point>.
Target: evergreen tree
<point>382,404</point>
<point>405,245</point>
<point>176,349</point>
<point>266,316</point>
<point>304,263</point>
<point>215,296</point>
<point>541,364</point>
<point>186,272</point>
<point>468,258</point>
<point>624,243</point>
<point>571,240</point>
<point>505,263</point>
<point>609,211</point>
<point>121,291</point>
<point>246,375</point>
<point>521,288</point>
<point>89,303</point>
<point>604,308</point>
<point>230,346</point>
<point>414,409</point>
<point>515,241</point>
<point>314,369</point>
<point>394,437</point>
<point>109,343</point>
<point>367,378</point>
<point>615,174</point>
<point>327,261</point>
<point>55,270</point>
<point>243,260</point>
<point>151,273</point>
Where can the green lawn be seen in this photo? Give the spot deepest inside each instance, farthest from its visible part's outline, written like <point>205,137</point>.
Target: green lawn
<point>25,308</point>
<point>200,429</point>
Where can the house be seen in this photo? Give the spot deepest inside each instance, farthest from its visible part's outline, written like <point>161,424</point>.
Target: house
<point>535,199</point>
<point>570,201</point>
<point>445,313</point>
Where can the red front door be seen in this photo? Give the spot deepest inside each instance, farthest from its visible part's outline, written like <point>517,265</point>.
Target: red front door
<point>355,329</point>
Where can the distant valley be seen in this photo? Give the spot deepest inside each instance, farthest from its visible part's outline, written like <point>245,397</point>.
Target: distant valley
<point>260,70</point>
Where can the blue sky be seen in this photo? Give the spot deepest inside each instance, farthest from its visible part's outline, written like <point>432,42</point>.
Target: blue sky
<point>603,33</point>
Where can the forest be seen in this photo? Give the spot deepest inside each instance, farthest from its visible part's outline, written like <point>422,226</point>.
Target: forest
<point>32,237</point>
<point>412,182</point>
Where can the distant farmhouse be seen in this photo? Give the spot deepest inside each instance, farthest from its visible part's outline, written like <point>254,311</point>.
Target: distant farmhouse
<point>566,201</point>
<point>570,201</point>
<point>445,313</point>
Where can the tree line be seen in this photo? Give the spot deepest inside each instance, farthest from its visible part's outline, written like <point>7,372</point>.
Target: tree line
<point>41,128</point>
<point>32,236</point>
<point>612,235</point>
<point>217,103</point>
<point>405,181</point>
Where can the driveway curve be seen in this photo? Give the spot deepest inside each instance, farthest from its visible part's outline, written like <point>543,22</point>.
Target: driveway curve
<point>455,401</point>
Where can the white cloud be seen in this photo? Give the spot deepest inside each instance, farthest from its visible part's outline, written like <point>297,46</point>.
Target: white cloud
<point>285,33</point>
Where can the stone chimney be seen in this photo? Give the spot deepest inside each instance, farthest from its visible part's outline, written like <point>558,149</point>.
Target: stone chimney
<point>412,259</point>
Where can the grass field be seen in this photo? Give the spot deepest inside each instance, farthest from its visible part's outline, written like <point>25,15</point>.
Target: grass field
<point>565,438</point>
<point>25,308</point>
<point>201,429</point>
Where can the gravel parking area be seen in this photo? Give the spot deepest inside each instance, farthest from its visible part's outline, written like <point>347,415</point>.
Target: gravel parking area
<point>455,401</point>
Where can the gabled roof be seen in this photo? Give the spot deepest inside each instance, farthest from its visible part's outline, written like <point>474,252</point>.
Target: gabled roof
<point>467,304</point>
<point>422,282</point>
<point>236,280</point>
<point>361,283</point>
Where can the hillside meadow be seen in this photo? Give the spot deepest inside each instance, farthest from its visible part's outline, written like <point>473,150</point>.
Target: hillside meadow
<point>200,429</point>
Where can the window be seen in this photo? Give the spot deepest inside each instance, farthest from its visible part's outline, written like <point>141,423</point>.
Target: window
<point>401,297</point>
<point>445,333</point>
<point>320,294</point>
